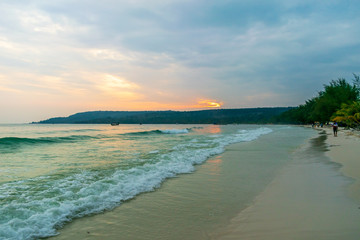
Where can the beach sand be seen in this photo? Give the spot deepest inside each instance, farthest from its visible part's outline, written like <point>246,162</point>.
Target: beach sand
<point>308,199</point>
<point>345,149</point>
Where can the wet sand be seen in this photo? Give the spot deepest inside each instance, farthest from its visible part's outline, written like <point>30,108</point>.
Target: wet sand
<point>308,199</point>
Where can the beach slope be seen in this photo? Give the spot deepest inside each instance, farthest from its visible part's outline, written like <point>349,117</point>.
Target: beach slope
<point>308,199</point>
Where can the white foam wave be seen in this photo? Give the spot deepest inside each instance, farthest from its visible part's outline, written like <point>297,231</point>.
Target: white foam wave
<point>154,151</point>
<point>175,131</point>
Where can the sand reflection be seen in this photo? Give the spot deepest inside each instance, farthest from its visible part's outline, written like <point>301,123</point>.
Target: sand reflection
<point>214,166</point>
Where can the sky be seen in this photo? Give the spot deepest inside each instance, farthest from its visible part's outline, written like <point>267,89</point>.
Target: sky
<point>58,58</point>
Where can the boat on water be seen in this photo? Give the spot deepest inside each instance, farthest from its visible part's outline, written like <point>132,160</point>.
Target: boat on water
<point>114,124</point>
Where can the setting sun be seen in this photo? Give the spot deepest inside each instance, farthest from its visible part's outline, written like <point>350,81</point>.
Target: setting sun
<point>207,103</point>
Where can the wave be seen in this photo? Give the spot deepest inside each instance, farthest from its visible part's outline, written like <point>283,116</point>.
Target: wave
<point>86,130</point>
<point>16,141</point>
<point>158,131</point>
<point>175,131</point>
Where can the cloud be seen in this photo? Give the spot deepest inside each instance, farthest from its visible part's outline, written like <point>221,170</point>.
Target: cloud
<point>169,54</point>
<point>118,87</point>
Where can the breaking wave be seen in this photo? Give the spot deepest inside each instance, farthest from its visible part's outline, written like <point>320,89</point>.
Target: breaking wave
<point>158,131</point>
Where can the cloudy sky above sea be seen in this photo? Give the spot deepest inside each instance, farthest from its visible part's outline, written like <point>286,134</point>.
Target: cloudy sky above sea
<point>62,57</point>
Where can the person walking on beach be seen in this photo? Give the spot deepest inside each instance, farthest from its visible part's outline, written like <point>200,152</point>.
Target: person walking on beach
<point>335,128</point>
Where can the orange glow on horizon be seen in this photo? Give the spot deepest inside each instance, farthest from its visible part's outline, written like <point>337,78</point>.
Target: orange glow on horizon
<point>209,103</point>
<point>140,104</point>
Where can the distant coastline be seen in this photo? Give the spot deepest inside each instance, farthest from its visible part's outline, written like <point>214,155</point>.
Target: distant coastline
<point>218,116</point>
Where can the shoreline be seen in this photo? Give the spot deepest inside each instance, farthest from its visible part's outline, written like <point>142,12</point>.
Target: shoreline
<point>314,197</point>
<point>197,205</point>
<point>305,197</point>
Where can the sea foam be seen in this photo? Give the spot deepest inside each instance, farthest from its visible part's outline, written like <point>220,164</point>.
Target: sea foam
<point>175,131</point>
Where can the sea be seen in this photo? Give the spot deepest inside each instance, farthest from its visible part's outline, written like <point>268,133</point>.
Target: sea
<point>51,175</point>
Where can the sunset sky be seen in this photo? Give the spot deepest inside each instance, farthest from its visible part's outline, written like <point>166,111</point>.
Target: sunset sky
<point>62,57</point>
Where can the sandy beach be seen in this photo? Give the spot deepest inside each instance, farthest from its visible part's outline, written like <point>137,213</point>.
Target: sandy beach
<point>308,199</point>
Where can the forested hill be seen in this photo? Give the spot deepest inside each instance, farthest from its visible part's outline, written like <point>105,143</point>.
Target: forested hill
<point>219,116</point>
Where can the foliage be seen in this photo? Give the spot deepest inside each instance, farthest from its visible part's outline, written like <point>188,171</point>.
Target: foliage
<point>348,114</point>
<point>322,107</point>
<point>330,100</point>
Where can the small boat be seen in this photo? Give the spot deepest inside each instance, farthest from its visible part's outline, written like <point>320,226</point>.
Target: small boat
<point>114,124</point>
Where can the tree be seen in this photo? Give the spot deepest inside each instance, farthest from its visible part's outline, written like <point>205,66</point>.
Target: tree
<point>348,114</point>
<point>322,107</point>
<point>330,100</point>
<point>356,81</point>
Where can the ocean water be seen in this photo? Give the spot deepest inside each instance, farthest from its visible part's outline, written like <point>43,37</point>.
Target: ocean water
<point>52,174</point>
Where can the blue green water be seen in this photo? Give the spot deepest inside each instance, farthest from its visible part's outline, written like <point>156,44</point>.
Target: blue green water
<point>51,174</point>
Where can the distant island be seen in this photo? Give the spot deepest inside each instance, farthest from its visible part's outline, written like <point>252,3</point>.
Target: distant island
<point>218,116</point>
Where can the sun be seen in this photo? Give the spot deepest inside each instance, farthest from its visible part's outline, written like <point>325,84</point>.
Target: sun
<point>208,103</point>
